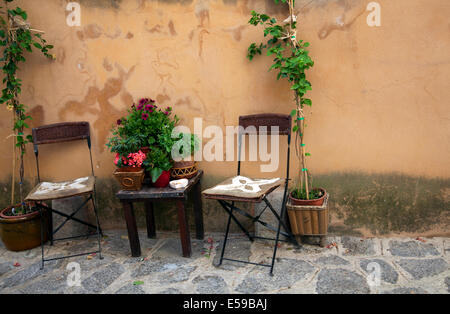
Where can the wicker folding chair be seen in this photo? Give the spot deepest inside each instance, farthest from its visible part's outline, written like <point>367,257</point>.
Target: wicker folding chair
<point>48,191</point>
<point>227,194</point>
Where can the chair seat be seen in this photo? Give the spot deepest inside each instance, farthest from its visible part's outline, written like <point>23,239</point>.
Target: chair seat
<point>55,190</point>
<point>242,189</point>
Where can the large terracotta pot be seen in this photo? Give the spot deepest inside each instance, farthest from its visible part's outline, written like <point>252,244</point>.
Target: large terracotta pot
<point>313,202</point>
<point>20,233</point>
<point>163,180</point>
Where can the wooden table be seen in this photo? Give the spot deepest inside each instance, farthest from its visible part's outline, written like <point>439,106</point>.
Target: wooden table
<point>148,195</point>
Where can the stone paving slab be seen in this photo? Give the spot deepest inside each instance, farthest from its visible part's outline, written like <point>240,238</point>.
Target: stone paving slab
<point>412,249</point>
<point>354,246</point>
<point>420,268</point>
<point>341,281</point>
<point>406,266</point>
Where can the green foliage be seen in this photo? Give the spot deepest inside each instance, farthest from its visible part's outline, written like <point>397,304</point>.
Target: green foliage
<point>158,160</point>
<point>16,41</point>
<point>185,140</point>
<point>300,193</point>
<point>290,61</point>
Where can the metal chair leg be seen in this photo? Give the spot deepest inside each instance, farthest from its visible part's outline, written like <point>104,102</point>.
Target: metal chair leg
<point>42,238</point>
<point>283,209</point>
<point>226,237</point>
<point>99,231</point>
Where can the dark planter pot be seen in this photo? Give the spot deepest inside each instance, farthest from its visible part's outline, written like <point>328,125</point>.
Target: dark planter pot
<point>163,180</point>
<point>20,233</point>
<point>314,202</point>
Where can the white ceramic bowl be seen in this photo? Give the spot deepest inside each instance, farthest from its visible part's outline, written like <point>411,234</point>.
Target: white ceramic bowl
<point>179,184</point>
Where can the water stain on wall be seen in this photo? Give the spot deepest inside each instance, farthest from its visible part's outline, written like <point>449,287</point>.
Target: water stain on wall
<point>172,30</point>
<point>107,65</point>
<point>37,112</point>
<point>236,31</point>
<point>351,12</point>
<point>98,102</point>
<point>94,31</point>
<point>104,4</point>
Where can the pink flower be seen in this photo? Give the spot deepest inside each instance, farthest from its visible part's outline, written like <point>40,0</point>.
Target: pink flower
<point>136,159</point>
<point>145,116</point>
<point>116,160</point>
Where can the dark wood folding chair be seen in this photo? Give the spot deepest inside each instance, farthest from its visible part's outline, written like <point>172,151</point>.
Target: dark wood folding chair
<point>48,191</point>
<point>227,196</point>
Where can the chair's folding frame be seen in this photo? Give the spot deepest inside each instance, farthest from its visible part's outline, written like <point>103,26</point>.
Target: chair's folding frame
<point>283,122</point>
<point>56,133</point>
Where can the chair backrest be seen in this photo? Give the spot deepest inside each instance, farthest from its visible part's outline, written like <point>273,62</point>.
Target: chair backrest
<point>268,120</point>
<point>262,124</point>
<point>61,132</point>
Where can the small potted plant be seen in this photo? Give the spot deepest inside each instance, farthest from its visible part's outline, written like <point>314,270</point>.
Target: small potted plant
<point>130,173</point>
<point>158,164</point>
<point>184,148</point>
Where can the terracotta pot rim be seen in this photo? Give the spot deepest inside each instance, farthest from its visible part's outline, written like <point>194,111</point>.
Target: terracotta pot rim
<point>13,219</point>
<point>129,169</point>
<point>310,200</point>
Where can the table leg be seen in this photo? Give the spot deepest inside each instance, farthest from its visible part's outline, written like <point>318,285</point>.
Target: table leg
<point>150,218</point>
<point>132,229</point>
<point>198,211</point>
<point>184,229</point>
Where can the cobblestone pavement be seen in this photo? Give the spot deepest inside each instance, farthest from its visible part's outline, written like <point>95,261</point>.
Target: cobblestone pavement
<point>347,265</point>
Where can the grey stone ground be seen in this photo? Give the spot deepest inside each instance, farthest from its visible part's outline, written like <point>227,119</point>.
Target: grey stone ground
<point>405,265</point>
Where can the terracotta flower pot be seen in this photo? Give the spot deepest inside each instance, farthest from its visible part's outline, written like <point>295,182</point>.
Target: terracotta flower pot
<point>163,180</point>
<point>313,202</point>
<point>130,178</point>
<point>20,233</point>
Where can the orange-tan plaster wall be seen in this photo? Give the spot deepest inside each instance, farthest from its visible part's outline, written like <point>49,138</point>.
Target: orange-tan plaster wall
<point>380,94</point>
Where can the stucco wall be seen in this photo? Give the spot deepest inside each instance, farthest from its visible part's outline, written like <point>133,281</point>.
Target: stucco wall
<point>378,130</point>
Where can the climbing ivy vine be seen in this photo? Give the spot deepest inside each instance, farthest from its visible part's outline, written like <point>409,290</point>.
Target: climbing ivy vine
<point>291,59</point>
<point>17,38</point>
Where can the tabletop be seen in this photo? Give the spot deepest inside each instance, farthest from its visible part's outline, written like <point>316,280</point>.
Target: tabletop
<point>148,192</point>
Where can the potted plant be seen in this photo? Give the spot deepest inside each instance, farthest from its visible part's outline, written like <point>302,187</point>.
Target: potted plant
<point>20,223</point>
<point>130,173</point>
<point>158,164</point>
<point>291,59</point>
<point>147,128</point>
<point>183,150</point>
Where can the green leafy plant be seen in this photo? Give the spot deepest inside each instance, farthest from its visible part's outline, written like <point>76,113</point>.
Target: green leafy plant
<point>146,125</point>
<point>18,38</point>
<point>185,145</point>
<point>158,160</point>
<point>291,59</point>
